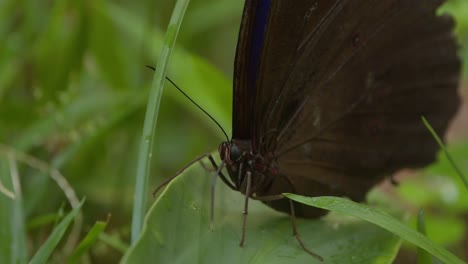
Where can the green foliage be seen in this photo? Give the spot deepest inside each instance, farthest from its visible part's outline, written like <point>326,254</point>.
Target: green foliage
<point>423,256</point>
<point>46,249</point>
<point>152,110</point>
<point>177,231</point>
<point>73,95</point>
<point>88,241</point>
<point>379,218</point>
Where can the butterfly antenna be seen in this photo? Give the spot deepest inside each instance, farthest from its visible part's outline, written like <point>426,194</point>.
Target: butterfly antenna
<point>193,102</point>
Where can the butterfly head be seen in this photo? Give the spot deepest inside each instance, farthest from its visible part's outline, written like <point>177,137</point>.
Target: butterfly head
<point>230,152</point>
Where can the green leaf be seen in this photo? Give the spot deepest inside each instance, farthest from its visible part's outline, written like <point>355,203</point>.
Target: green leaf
<point>444,149</point>
<point>114,241</point>
<point>42,220</point>
<point>176,230</point>
<point>88,241</point>
<point>45,251</point>
<point>12,228</point>
<point>152,110</point>
<point>379,218</point>
<point>423,256</point>
<point>19,252</point>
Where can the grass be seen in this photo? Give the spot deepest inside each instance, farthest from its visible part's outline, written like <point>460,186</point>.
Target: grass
<point>154,100</point>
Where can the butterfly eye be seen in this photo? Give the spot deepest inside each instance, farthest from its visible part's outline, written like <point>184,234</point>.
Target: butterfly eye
<point>234,153</point>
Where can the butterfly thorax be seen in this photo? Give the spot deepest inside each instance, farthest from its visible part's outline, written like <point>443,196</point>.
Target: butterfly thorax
<point>241,160</point>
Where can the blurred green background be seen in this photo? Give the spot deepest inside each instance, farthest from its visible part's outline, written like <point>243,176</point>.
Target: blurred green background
<point>73,92</point>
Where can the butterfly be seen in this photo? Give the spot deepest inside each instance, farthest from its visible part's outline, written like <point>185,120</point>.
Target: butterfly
<point>329,94</point>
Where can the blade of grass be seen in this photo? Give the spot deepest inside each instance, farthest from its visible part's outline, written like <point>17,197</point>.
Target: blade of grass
<point>444,149</point>
<point>42,220</point>
<point>114,241</point>
<point>145,152</point>
<point>61,181</point>
<point>4,190</point>
<point>379,218</point>
<point>423,256</point>
<point>44,252</point>
<point>88,241</point>
<point>18,249</point>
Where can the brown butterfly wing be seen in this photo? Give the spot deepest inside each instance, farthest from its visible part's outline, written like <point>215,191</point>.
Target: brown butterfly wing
<point>256,88</point>
<point>365,73</point>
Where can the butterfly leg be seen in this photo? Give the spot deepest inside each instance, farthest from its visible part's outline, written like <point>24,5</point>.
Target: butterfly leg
<point>246,206</point>
<point>167,181</point>
<point>217,174</point>
<point>220,173</point>
<point>296,234</point>
<point>213,185</point>
<point>212,168</point>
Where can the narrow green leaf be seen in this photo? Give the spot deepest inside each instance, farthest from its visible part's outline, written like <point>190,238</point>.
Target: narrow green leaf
<point>146,146</point>
<point>447,154</point>
<point>378,218</point>
<point>114,242</point>
<point>12,228</point>
<point>45,251</point>
<point>42,220</point>
<point>88,241</point>
<point>5,215</point>
<point>423,256</point>
<point>18,238</point>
